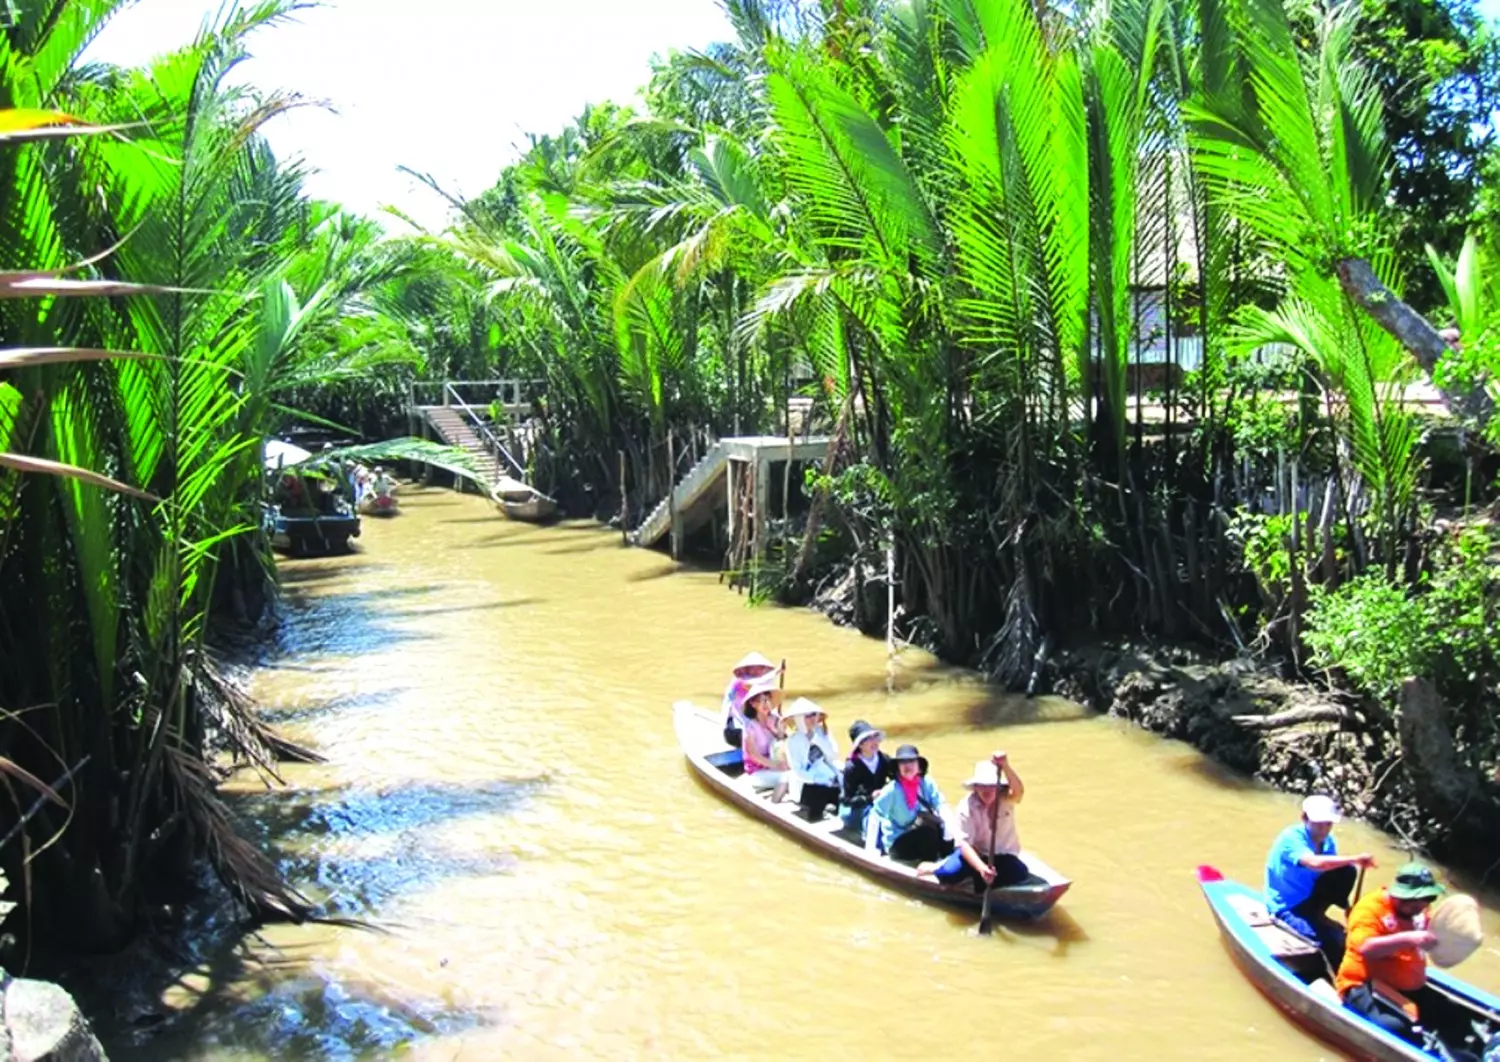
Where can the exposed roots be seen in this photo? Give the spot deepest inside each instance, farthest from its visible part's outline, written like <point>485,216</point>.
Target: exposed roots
<point>246,871</point>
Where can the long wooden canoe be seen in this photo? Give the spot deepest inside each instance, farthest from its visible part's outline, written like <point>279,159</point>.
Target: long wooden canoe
<point>701,735</point>
<point>1290,971</point>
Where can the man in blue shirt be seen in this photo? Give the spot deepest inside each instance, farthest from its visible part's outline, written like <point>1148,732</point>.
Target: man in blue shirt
<point>1305,876</point>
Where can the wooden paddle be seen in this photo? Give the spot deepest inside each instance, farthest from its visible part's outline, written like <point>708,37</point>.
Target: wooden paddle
<point>985,926</point>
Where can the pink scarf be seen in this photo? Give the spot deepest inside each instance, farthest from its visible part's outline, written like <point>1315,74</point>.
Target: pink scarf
<point>910,788</point>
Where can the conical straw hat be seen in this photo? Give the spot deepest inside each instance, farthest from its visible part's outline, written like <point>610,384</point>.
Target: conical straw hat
<point>1455,923</point>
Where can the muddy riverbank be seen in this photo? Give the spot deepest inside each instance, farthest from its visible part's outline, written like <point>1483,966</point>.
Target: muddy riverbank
<point>1288,734</point>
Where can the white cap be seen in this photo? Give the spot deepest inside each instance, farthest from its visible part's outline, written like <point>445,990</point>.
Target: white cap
<point>1319,808</point>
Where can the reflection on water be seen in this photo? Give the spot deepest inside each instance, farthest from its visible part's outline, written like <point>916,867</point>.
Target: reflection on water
<point>505,798</point>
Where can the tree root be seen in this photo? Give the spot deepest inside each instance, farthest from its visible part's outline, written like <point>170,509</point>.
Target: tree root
<point>1314,713</point>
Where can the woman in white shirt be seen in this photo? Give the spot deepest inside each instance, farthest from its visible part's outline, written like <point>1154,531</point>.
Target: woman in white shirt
<point>988,852</point>
<point>813,758</point>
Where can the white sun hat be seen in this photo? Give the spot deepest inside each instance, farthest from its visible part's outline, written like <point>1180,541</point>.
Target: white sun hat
<point>1319,808</point>
<point>985,773</point>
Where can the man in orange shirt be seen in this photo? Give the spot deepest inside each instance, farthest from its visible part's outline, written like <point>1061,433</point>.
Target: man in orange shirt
<point>1385,960</point>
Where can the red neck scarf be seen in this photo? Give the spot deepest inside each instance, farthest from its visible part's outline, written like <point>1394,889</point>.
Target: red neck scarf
<point>909,788</point>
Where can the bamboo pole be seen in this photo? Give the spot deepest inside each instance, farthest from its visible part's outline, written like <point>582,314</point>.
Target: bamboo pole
<point>624,504</point>
<point>674,529</point>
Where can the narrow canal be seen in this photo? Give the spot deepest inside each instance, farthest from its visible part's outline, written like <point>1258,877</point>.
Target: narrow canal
<point>506,799</point>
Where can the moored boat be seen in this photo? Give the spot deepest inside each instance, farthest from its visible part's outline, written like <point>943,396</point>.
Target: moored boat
<point>1290,970</point>
<point>311,534</point>
<point>720,766</point>
<point>533,510</point>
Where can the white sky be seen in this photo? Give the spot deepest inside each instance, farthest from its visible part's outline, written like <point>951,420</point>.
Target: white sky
<point>447,87</point>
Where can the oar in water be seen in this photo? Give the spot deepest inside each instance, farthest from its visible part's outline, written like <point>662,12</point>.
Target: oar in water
<point>989,890</point>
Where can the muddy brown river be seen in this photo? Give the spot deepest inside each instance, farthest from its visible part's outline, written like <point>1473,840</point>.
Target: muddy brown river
<point>504,797</point>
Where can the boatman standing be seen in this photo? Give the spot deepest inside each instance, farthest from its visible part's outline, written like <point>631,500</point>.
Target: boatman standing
<point>1305,876</point>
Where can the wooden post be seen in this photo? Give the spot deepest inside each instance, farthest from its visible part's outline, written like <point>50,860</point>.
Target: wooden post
<point>890,598</point>
<point>624,505</point>
<point>762,504</point>
<point>675,528</point>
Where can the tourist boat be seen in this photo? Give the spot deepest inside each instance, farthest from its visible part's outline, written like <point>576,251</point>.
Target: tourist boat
<point>700,734</point>
<point>373,504</point>
<point>310,534</point>
<point>1290,970</point>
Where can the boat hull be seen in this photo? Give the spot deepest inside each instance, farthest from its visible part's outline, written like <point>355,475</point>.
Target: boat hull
<point>1320,1013</point>
<point>380,505</point>
<point>311,536</point>
<point>700,735</point>
<point>533,510</point>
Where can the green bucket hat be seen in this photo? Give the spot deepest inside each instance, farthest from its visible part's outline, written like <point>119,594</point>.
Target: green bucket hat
<point>1415,882</point>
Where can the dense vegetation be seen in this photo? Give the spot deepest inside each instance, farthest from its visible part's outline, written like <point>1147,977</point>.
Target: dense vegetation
<point>980,237</point>
<point>143,214</point>
<point>1100,303</point>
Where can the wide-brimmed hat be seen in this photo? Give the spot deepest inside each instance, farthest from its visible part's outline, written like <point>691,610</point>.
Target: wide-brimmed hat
<point>754,660</point>
<point>1415,882</point>
<point>756,686</point>
<point>909,752</point>
<point>985,773</point>
<point>802,706</point>
<point>1319,808</point>
<point>860,731</point>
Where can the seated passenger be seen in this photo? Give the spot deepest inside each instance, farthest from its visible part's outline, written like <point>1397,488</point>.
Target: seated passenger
<point>865,774</point>
<point>761,764</point>
<point>813,759</point>
<point>1383,976</point>
<point>752,667</point>
<point>989,849</point>
<point>1305,876</point>
<point>906,817</point>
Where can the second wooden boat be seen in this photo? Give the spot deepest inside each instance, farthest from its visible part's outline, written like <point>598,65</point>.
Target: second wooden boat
<point>533,510</point>
<point>1290,971</point>
<point>700,734</point>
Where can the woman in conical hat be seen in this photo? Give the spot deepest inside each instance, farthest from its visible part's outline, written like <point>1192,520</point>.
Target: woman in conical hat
<point>751,667</point>
<point>764,768</point>
<point>813,758</point>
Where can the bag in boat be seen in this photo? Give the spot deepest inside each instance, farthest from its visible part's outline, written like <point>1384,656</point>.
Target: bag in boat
<point>1455,923</point>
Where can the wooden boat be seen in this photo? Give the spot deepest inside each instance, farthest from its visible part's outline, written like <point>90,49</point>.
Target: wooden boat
<point>533,510</point>
<point>373,504</point>
<point>1290,970</point>
<point>522,501</point>
<point>306,534</point>
<point>701,735</point>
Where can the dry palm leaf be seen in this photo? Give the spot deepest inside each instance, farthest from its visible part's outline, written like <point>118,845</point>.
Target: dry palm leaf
<point>1455,923</point>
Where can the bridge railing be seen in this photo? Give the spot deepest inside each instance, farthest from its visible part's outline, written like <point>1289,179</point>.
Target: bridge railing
<point>478,393</point>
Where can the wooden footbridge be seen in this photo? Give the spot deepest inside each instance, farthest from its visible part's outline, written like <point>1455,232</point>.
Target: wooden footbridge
<point>734,475</point>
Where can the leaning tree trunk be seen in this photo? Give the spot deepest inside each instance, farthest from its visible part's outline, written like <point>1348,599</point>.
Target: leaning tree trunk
<point>1413,332</point>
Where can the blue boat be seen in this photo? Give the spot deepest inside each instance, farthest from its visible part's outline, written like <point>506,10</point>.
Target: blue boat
<point>1291,971</point>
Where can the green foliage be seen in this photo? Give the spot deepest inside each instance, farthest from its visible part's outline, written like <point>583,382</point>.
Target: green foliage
<point>1447,630</point>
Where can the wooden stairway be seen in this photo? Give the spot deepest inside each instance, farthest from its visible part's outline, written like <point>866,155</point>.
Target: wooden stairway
<point>457,430</point>
<point>694,486</point>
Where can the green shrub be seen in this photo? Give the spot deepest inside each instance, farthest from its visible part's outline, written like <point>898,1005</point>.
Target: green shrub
<point>1446,630</point>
